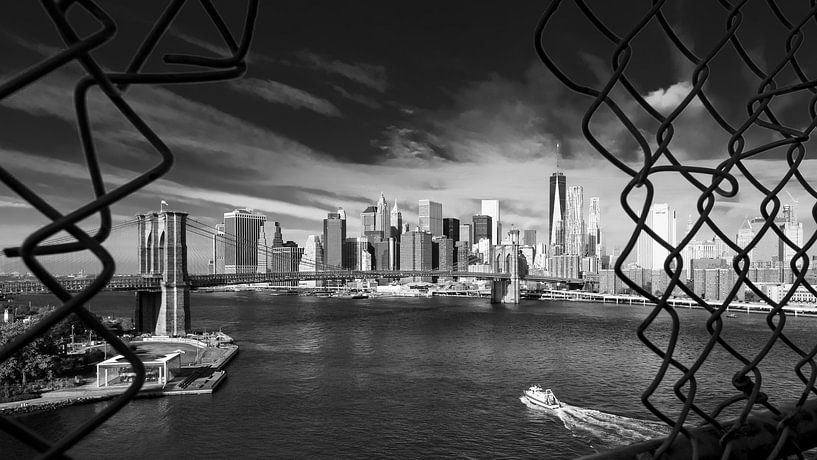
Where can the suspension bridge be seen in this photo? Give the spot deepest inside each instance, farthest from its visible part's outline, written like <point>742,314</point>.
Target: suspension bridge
<point>168,243</point>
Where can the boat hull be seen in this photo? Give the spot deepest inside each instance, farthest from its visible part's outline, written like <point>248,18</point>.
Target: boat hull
<point>533,399</point>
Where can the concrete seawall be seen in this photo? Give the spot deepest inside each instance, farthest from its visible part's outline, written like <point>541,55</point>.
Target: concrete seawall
<point>619,299</point>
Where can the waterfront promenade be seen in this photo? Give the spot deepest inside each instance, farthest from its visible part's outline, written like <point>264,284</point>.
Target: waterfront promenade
<point>622,299</point>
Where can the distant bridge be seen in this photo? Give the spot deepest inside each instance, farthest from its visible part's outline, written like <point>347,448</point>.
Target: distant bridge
<point>31,285</point>
<point>163,283</point>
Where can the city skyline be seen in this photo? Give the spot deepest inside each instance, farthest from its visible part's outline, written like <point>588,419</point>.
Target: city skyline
<point>234,198</point>
<point>486,120</point>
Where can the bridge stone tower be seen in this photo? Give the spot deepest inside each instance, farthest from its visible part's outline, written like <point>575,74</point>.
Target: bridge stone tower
<point>507,260</point>
<point>163,255</point>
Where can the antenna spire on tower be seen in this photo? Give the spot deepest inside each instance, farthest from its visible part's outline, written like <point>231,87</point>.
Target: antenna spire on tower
<point>557,157</point>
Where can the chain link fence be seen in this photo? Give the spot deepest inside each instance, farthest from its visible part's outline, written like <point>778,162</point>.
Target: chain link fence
<point>182,68</point>
<point>745,421</point>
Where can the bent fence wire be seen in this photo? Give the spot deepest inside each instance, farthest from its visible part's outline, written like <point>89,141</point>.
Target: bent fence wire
<point>114,86</point>
<point>776,427</point>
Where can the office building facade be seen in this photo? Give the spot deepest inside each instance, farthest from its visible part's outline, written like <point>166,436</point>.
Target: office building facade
<point>334,237</point>
<point>242,228</point>
<point>415,251</point>
<point>491,208</point>
<point>466,234</point>
<point>556,210</point>
<point>451,228</point>
<point>662,220</point>
<point>574,221</point>
<point>430,217</point>
<point>482,228</point>
<point>594,228</point>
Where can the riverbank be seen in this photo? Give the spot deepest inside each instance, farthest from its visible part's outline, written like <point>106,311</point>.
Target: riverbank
<point>203,375</point>
<point>620,299</point>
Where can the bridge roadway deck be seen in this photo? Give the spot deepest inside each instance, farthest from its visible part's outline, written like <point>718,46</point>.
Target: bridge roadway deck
<point>146,283</point>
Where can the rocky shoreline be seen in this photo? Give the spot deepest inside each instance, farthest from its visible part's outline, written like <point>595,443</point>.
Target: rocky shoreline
<point>40,405</point>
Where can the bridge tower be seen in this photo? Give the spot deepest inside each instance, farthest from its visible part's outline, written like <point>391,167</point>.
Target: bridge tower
<point>163,255</point>
<point>503,290</point>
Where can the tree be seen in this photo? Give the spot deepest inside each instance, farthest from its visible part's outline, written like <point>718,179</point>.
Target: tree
<point>38,359</point>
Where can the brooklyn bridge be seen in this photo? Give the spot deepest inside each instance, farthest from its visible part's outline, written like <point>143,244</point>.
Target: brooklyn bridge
<point>163,281</point>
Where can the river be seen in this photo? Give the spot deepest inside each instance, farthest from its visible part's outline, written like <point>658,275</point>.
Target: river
<point>415,378</point>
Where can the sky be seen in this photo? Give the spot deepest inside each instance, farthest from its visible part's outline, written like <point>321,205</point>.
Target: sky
<point>419,100</point>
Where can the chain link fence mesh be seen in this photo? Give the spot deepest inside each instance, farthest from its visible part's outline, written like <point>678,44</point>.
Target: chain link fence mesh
<point>759,132</point>
<point>183,68</point>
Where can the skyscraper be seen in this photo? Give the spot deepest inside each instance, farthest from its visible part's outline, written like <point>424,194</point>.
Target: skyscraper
<point>242,228</point>
<point>334,235</point>
<point>368,221</point>
<point>769,248</point>
<point>277,238</point>
<point>358,253</point>
<point>396,221</point>
<point>556,213</point>
<point>491,208</point>
<point>219,246</point>
<point>431,217</point>
<point>574,222</point>
<point>594,228</point>
<point>415,251</point>
<point>662,220</point>
<point>442,253</point>
<point>465,233</point>
<point>312,260</point>
<point>382,220</point>
<point>793,231</point>
<point>745,236</point>
<point>529,238</point>
<point>263,249</point>
<point>451,228</point>
<point>482,228</point>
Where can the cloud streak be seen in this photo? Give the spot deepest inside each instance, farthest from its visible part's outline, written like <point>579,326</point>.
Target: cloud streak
<point>373,76</point>
<point>280,93</point>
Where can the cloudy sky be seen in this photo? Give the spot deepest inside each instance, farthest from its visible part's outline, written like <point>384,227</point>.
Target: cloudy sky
<point>420,100</point>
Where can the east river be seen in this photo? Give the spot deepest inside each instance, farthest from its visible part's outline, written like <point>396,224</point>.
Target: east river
<point>416,378</point>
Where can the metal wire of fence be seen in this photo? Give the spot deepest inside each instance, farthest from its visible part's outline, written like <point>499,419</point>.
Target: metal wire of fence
<point>113,85</point>
<point>790,430</point>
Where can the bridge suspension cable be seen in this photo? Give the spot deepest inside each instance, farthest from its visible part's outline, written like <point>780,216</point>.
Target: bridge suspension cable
<point>202,229</point>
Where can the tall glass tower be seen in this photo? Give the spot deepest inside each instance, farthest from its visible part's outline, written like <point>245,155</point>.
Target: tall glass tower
<point>556,215</point>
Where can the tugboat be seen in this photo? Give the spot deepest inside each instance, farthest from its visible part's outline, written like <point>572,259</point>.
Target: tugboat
<point>542,398</point>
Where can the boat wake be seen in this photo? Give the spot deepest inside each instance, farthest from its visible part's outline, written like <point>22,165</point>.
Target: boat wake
<point>603,430</point>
